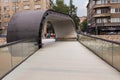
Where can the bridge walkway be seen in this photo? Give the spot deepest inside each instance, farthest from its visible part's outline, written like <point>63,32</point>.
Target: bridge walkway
<point>63,61</point>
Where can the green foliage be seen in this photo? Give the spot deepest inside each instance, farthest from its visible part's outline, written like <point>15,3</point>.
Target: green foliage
<point>83,26</point>
<point>61,7</point>
<point>76,20</point>
<point>73,13</point>
<point>71,10</point>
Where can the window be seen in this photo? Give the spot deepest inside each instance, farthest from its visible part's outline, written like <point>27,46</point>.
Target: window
<point>98,20</point>
<point>112,10</point>
<point>98,2</point>
<point>36,0</point>
<point>6,0</point>
<point>26,7</point>
<point>98,11</point>
<point>115,10</point>
<point>6,8</point>
<point>15,7</point>
<point>6,16</point>
<point>37,6</point>
<point>113,20</point>
<point>101,2</point>
<point>102,20</point>
<point>25,0</point>
<point>6,24</point>
<point>115,1</point>
<point>102,11</point>
<point>15,0</point>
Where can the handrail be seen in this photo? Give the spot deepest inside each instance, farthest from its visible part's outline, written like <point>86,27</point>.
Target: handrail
<point>115,42</point>
<point>15,42</point>
<point>103,47</point>
<point>21,49</point>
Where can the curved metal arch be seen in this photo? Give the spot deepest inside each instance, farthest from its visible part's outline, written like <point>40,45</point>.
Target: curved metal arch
<point>29,24</point>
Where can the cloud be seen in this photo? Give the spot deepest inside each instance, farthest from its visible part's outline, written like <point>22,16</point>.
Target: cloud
<point>81,4</point>
<point>82,12</point>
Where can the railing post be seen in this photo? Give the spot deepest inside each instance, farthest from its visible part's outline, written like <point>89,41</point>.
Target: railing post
<point>112,54</point>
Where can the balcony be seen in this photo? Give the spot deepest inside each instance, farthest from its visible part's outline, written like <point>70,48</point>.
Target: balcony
<point>102,15</point>
<point>101,6</point>
<point>108,24</point>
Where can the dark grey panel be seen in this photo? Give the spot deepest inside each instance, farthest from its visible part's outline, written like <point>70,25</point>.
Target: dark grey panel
<point>24,25</point>
<point>29,24</point>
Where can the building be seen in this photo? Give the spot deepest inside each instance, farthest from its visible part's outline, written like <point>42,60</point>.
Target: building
<point>82,21</point>
<point>83,18</point>
<point>104,16</point>
<point>9,7</point>
<point>0,17</point>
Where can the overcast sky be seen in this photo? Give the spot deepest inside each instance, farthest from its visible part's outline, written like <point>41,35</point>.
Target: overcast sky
<point>81,4</point>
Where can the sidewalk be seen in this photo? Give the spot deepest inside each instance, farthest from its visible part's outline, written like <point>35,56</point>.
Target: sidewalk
<point>63,61</point>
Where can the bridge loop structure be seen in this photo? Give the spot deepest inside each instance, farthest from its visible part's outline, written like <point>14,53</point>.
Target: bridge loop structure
<point>30,24</point>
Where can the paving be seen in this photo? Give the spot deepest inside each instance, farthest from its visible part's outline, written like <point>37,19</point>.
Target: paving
<point>63,60</point>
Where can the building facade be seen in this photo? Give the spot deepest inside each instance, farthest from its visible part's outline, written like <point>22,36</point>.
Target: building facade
<point>0,17</point>
<point>104,16</point>
<point>83,18</point>
<point>9,7</point>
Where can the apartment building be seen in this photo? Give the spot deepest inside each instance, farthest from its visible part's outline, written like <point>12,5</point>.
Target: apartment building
<point>0,17</point>
<point>103,16</point>
<point>9,7</point>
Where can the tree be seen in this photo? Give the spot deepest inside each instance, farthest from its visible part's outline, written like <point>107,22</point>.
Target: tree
<point>73,14</point>
<point>83,26</point>
<point>61,7</point>
<point>71,10</point>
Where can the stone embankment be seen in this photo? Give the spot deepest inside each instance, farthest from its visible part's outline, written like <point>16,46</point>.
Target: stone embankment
<point>110,37</point>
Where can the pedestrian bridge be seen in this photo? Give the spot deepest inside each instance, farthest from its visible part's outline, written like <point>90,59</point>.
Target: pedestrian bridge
<point>30,24</point>
<point>62,58</point>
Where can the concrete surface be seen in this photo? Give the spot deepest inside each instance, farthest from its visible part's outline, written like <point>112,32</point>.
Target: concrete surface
<point>63,61</point>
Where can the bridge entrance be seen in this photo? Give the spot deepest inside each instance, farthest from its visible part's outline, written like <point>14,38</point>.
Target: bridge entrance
<point>30,24</point>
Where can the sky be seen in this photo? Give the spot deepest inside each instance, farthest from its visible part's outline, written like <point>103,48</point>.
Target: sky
<point>81,4</point>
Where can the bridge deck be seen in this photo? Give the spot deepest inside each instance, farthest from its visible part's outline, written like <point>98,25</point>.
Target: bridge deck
<point>64,61</point>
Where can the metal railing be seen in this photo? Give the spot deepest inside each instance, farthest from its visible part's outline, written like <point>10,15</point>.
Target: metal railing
<point>14,53</point>
<point>105,49</point>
